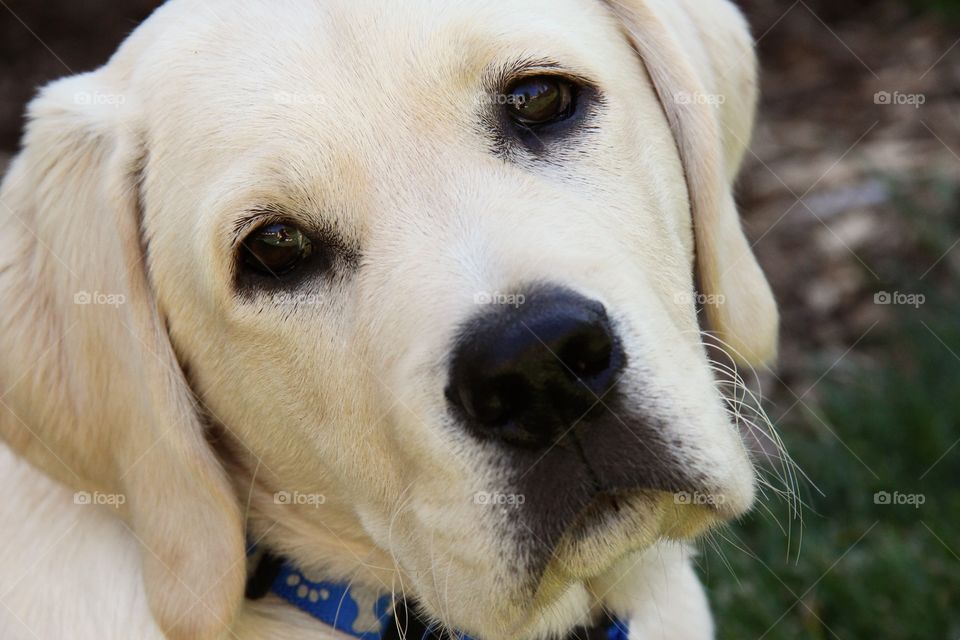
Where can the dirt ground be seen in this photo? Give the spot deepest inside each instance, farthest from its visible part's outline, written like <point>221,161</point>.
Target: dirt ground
<point>827,136</point>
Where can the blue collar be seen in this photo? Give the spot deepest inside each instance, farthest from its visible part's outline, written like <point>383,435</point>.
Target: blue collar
<point>335,604</point>
<point>361,615</point>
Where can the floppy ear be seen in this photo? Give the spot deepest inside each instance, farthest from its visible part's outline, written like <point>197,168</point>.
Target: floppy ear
<point>700,58</point>
<point>91,389</point>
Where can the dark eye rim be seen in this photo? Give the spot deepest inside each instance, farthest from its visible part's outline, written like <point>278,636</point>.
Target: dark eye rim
<point>574,89</point>
<point>333,258</point>
<point>249,264</point>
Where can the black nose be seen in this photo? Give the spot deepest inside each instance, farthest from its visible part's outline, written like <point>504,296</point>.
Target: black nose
<point>525,373</point>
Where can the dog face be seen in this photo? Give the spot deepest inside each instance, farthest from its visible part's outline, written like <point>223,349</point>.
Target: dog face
<point>430,267</point>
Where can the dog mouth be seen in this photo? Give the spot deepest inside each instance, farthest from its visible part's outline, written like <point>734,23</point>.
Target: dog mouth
<point>605,508</point>
<point>605,496</point>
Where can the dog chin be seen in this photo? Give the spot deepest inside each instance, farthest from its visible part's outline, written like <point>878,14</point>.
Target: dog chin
<point>614,527</point>
<point>537,619</point>
<point>611,531</point>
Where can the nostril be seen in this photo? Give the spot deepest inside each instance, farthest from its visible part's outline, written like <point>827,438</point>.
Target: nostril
<point>493,401</point>
<point>587,353</point>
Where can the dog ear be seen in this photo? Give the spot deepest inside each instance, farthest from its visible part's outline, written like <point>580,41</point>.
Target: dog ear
<point>700,58</point>
<point>91,388</point>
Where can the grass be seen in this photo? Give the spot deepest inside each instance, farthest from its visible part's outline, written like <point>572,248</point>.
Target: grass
<point>861,569</point>
<point>950,8</point>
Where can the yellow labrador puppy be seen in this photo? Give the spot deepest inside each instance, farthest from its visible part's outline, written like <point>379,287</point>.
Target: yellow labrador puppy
<point>322,319</point>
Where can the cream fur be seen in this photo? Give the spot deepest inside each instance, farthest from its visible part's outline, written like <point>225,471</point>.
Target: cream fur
<point>193,407</point>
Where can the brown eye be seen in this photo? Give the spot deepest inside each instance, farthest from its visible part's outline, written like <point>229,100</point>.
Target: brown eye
<point>541,100</point>
<point>275,249</point>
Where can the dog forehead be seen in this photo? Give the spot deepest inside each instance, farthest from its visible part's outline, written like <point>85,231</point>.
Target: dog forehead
<point>372,25</point>
<point>344,88</point>
<point>288,64</point>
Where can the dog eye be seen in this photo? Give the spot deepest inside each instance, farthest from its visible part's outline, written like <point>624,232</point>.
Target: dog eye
<point>541,100</point>
<point>275,249</point>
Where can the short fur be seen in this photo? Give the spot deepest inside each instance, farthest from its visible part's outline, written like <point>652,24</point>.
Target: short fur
<point>196,404</point>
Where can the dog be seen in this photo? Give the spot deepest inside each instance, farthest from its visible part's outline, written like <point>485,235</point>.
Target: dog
<point>406,297</point>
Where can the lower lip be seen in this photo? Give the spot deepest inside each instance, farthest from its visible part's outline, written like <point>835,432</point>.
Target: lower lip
<point>599,513</point>
<point>604,533</point>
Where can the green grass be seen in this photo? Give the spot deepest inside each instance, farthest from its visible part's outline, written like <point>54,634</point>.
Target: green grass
<point>862,570</point>
<point>949,7</point>
<point>899,581</point>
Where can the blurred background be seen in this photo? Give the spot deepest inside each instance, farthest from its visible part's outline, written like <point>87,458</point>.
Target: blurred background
<point>851,196</point>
